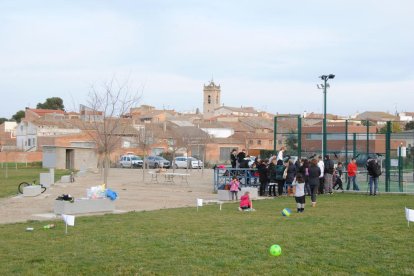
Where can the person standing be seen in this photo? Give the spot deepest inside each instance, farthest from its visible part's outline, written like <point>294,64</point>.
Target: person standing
<point>234,187</point>
<point>352,171</point>
<point>300,193</point>
<point>263,177</point>
<point>374,171</point>
<point>314,175</point>
<point>321,166</point>
<point>233,158</point>
<point>272,177</point>
<point>338,177</point>
<point>280,169</point>
<point>290,177</point>
<point>304,170</point>
<point>328,174</point>
<point>281,153</point>
<point>240,157</point>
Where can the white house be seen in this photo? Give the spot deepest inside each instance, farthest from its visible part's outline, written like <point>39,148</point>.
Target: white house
<point>406,116</point>
<point>28,133</point>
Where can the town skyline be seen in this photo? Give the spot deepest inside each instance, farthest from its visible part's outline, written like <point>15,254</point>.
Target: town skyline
<point>266,54</point>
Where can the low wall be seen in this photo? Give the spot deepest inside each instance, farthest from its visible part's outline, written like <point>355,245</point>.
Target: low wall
<point>21,157</point>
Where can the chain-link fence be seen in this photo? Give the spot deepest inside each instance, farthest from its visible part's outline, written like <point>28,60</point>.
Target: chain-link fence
<point>347,139</point>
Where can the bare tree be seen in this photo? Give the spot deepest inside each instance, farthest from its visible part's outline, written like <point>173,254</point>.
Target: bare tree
<point>144,139</point>
<point>108,106</point>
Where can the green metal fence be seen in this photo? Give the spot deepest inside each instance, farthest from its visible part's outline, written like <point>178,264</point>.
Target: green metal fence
<point>347,139</point>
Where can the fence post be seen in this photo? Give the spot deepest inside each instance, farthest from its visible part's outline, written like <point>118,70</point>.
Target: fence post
<point>274,133</point>
<point>354,145</point>
<point>367,138</point>
<point>387,156</point>
<point>367,146</point>
<point>346,143</point>
<point>299,137</point>
<point>400,165</point>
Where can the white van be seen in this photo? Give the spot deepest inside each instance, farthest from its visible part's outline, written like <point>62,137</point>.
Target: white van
<point>131,161</point>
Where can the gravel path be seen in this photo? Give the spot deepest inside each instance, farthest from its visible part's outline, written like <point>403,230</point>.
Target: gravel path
<point>134,194</point>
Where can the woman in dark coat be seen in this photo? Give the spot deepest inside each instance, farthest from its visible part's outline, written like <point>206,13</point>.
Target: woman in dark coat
<point>272,177</point>
<point>263,177</point>
<point>304,170</point>
<point>280,169</point>
<point>314,173</point>
<point>290,177</point>
<point>233,158</point>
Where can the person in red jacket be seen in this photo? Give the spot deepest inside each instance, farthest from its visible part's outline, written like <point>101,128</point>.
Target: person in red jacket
<point>246,203</point>
<point>352,172</point>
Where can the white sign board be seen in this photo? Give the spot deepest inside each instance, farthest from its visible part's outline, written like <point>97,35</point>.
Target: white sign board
<point>403,152</point>
<point>394,162</point>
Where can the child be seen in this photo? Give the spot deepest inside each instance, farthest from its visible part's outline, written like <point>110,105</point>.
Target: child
<point>300,193</point>
<point>338,177</point>
<point>234,187</point>
<point>246,203</point>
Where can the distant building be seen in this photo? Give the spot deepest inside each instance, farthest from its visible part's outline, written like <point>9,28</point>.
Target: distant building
<point>377,117</point>
<point>50,114</point>
<point>212,99</point>
<point>406,116</point>
<point>213,109</point>
<point>88,114</point>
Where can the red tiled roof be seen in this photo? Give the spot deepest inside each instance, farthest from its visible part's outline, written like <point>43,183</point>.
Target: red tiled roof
<point>42,112</point>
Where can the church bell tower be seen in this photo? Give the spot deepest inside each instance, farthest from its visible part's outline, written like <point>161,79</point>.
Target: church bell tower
<point>212,99</point>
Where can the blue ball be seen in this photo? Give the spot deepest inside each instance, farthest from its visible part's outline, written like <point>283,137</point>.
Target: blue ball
<point>286,212</point>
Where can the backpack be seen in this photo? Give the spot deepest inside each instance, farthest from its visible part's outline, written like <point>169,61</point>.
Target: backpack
<point>374,169</point>
<point>377,169</point>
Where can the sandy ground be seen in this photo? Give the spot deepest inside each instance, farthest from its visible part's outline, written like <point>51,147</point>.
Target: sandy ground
<point>134,193</point>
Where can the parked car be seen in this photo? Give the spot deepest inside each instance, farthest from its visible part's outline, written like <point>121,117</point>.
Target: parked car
<point>156,162</point>
<point>187,162</point>
<point>130,161</point>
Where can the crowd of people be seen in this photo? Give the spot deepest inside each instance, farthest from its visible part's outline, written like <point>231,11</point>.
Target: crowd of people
<point>281,176</point>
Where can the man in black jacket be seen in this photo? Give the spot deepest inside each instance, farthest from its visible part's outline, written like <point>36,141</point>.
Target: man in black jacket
<point>374,171</point>
<point>240,157</point>
<point>233,158</point>
<point>328,174</point>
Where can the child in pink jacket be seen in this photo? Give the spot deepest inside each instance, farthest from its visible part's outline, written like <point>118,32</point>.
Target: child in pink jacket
<point>246,203</point>
<point>234,187</point>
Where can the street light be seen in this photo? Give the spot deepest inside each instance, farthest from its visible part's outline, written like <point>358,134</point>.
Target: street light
<point>324,86</point>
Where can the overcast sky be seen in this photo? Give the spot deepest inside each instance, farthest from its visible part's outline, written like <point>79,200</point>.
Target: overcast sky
<point>266,54</point>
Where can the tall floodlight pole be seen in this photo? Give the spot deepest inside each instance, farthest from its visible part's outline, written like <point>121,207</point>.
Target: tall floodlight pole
<point>324,86</point>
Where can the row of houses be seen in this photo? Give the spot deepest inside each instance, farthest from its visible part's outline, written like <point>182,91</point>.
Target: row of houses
<point>148,131</point>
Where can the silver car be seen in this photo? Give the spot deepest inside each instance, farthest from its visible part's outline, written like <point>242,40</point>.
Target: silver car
<point>156,162</point>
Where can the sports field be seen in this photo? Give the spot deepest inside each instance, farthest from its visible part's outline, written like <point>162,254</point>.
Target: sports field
<point>345,234</point>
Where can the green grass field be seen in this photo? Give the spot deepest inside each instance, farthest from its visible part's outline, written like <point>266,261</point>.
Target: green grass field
<point>11,177</point>
<point>345,234</point>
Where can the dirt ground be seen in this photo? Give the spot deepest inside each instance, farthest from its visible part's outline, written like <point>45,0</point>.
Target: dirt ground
<point>134,194</point>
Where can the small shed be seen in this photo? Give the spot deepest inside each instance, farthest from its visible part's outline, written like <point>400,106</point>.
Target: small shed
<point>81,157</point>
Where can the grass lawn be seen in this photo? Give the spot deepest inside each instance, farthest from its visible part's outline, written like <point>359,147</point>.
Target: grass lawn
<point>9,184</point>
<point>345,234</point>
